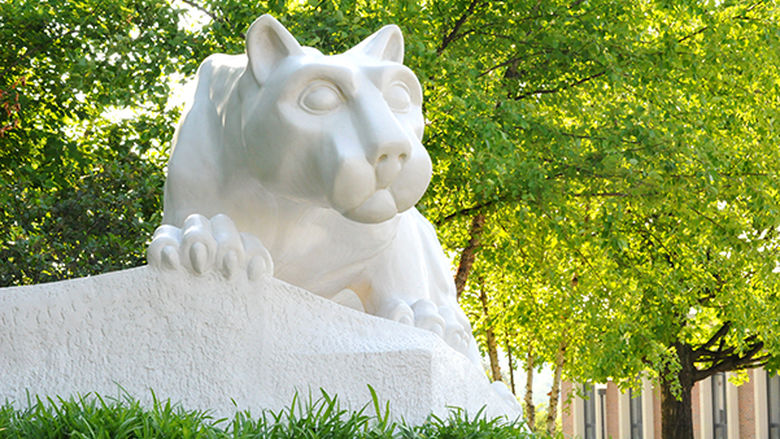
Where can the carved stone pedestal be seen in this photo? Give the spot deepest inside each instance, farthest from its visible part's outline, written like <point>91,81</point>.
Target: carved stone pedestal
<point>206,342</point>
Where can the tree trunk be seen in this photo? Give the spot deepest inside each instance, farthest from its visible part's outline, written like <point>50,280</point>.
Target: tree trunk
<point>469,253</point>
<point>676,415</point>
<point>495,369</point>
<point>552,407</point>
<point>511,366</point>
<point>528,406</point>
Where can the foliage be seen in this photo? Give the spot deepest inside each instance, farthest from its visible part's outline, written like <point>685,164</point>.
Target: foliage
<point>627,161</point>
<point>625,158</point>
<point>95,416</point>
<point>541,420</point>
<point>80,189</point>
<point>99,223</point>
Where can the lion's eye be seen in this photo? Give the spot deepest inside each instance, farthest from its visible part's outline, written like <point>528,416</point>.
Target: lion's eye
<point>398,98</point>
<point>321,98</point>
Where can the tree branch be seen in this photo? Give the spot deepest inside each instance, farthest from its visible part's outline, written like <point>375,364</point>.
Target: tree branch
<point>693,34</point>
<point>201,8</point>
<point>479,206</point>
<point>669,255</point>
<point>741,16</point>
<point>499,65</point>
<point>469,253</point>
<point>466,211</point>
<point>710,220</point>
<point>450,37</point>
<point>562,87</point>
<point>512,60</point>
<point>719,334</point>
<point>720,354</point>
<point>211,15</point>
<point>589,137</point>
<point>735,362</point>
<point>600,194</point>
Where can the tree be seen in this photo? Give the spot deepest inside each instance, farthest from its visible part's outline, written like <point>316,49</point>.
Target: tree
<point>80,190</point>
<point>641,138</point>
<point>536,295</point>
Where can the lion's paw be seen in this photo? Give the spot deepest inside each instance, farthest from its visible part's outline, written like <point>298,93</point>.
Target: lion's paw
<point>398,311</point>
<point>441,320</point>
<point>457,331</point>
<point>348,298</point>
<point>202,245</point>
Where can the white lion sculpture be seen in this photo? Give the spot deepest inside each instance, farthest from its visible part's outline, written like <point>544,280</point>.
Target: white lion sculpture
<point>307,167</point>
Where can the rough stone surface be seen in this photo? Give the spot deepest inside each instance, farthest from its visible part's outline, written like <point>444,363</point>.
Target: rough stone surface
<point>206,342</point>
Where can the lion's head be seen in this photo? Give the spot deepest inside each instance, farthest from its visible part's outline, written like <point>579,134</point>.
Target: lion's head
<point>341,131</point>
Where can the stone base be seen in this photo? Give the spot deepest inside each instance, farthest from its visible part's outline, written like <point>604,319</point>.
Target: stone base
<point>206,343</point>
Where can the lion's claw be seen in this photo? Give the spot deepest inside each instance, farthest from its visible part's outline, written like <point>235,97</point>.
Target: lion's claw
<point>204,245</point>
<point>424,314</point>
<point>397,310</point>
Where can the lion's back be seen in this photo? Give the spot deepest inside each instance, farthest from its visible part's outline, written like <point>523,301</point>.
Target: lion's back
<point>194,169</point>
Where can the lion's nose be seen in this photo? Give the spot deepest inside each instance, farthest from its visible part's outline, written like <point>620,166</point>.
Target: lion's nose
<point>391,158</point>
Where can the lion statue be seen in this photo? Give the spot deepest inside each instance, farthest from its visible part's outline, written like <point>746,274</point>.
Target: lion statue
<point>307,167</point>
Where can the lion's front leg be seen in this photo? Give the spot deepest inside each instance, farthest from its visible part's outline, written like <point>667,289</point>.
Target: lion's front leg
<point>204,245</point>
<point>411,283</point>
<point>419,303</point>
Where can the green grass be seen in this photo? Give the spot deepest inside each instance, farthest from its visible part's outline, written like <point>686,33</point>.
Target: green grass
<point>93,416</point>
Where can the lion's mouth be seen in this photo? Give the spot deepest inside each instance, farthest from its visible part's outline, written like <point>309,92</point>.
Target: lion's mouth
<point>377,208</point>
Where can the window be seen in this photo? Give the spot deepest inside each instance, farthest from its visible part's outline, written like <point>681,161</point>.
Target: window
<point>590,411</point>
<point>635,413</point>
<point>773,404</point>
<point>719,420</point>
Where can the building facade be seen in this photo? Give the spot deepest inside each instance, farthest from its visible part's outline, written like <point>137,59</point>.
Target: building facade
<point>721,410</point>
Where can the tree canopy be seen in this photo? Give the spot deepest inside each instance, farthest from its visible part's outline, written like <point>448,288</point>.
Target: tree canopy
<point>606,173</point>
<point>80,190</point>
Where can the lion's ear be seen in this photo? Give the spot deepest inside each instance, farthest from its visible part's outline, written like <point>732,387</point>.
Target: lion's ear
<point>267,44</point>
<point>386,44</point>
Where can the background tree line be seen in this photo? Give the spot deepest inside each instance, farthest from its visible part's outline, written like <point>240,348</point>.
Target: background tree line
<point>606,172</point>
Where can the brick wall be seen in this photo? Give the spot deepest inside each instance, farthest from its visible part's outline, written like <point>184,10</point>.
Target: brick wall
<point>696,411</point>
<point>612,415</point>
<point>747,415</point>
<point>656,413</point>
<point>567,420</point>
<point>745,397</point>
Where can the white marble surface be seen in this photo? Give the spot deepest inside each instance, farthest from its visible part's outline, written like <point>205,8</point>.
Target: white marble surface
<point>206,342</point>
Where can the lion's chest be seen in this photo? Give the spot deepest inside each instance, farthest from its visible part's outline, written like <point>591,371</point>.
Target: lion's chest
<point>316,248</point>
